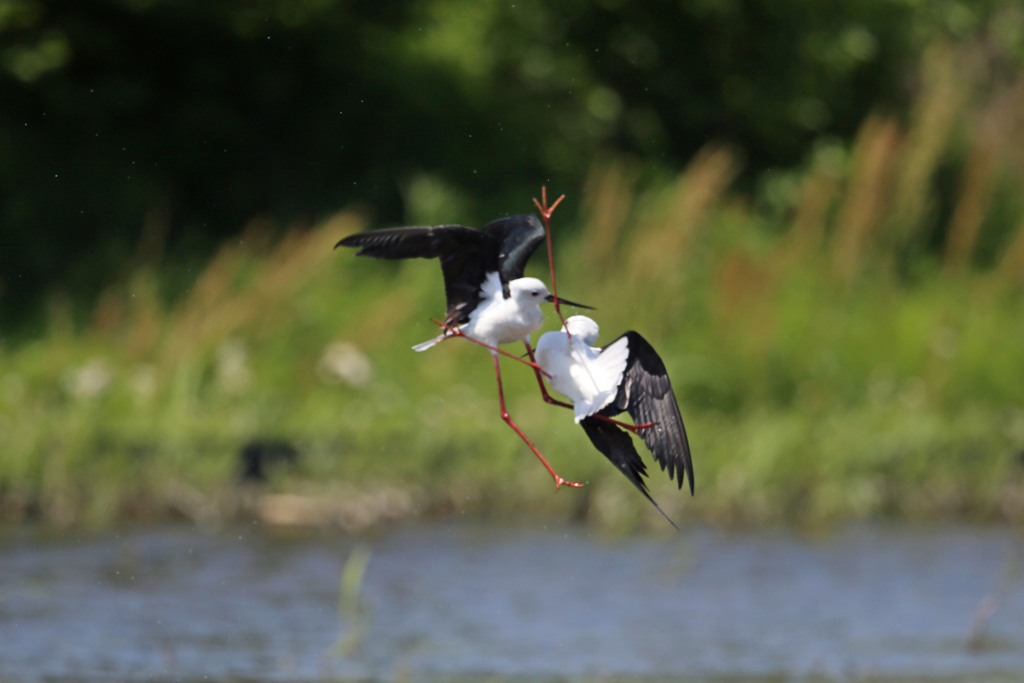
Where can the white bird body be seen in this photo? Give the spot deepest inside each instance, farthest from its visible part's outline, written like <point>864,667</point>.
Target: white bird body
<point>586,375</point>
<point>489,301</point>
<point>499,320</point>
<point>625,376</point>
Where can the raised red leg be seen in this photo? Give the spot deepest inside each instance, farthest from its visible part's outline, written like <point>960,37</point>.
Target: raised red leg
<point>555,402</point>
<point>545,213</point>
<point>559,481</point>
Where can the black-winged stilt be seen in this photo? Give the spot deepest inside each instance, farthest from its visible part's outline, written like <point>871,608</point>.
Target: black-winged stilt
<point>624,376</point>
<point>489,301</point>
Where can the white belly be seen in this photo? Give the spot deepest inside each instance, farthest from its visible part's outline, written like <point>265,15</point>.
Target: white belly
<point>503,321</point>
<point>583,376</point>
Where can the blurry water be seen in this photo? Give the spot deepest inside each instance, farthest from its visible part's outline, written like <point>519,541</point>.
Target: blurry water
<point>470,601</point>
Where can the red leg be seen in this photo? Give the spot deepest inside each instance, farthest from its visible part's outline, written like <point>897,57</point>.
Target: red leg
<point>456,332</point>
<point>625,425</point>
<point>555,402</point>
<point>545,212</point>
<point>540,381</point>
<point>559,481</point>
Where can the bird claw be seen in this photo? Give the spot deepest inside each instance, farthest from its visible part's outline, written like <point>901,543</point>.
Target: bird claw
<point>542,206</point>
<point>636,430</point>
<point>559,482</point>
<point>450,331</point>
<point>625,425</point>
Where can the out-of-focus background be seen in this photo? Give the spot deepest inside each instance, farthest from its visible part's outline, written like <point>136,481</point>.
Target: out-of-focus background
<point>814,211</point>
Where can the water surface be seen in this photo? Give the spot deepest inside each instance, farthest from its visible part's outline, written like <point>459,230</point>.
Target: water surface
<point>472,601</point>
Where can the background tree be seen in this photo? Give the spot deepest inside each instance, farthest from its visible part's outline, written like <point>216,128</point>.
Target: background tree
<point>154,129</point>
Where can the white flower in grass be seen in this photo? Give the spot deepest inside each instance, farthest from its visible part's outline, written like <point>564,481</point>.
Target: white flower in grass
<point>88,380</point>
<point>344,362</point>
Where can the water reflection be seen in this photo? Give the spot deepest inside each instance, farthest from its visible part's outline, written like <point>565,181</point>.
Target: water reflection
<point>459,599</point>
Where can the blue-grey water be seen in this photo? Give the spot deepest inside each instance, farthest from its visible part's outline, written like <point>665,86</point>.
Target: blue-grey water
<point>473,601</point>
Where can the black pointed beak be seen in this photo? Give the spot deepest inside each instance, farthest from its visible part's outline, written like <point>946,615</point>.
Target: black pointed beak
<point>563,300</point>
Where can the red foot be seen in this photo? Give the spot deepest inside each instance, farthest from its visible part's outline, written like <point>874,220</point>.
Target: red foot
<point>632,428</point>
<point>559,482</point>
<point>542,206</point>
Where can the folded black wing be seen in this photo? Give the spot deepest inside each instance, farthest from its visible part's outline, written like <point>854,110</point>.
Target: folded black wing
<point>647,395</point>
<point>466,256</point>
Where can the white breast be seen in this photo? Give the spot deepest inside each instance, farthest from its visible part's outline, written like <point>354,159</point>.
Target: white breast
<point>497,320</point>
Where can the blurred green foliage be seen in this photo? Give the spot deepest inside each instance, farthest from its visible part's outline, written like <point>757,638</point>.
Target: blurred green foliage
<point>141,130</point>
<point>813,210</point>
<point>817,380</point>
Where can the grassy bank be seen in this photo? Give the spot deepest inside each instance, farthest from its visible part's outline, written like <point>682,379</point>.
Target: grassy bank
<point>847,344</point>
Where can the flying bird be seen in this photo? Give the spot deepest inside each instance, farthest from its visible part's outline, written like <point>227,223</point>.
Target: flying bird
<point>489,301</point>
<point>627,375</point>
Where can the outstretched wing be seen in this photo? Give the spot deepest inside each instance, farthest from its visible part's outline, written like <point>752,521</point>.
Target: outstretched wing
<point>518,237</point>
<point>646,393</point>
<point>466,255</point>
<point>616,445</point>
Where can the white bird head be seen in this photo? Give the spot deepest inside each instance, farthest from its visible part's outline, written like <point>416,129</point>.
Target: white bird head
<point>582,327</point>
<point>530,290</point>
<point>527,290</point>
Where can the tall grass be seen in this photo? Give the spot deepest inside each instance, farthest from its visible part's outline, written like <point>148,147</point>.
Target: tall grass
<point>846,344</point>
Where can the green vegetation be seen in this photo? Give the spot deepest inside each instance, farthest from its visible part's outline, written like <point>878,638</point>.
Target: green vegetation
<point>845,344</point>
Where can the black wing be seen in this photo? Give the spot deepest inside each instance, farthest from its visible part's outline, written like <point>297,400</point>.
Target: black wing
<point>518,237</point>
<point>616,445</point>
<point>466,255</point>
<point>646,393</point>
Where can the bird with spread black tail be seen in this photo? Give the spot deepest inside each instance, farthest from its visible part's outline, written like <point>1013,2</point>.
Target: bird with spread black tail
<point>627,375</point>
<point>489,300</point>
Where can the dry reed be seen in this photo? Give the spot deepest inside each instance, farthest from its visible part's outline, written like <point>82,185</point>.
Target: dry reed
<point>671,227</point>
<point>867,196</point>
